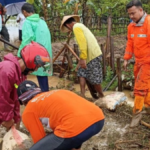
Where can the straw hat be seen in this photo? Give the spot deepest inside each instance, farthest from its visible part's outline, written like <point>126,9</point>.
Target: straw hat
<point>65,18</point>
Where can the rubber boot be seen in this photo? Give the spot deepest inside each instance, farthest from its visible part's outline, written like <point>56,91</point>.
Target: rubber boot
<point>136,119</point>
<point>147,110</point>
<point>138,104</point>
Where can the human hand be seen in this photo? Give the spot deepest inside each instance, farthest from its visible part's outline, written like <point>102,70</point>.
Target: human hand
<point>17,125</point>
<point>8,124</point>
<point>125,64</point>
<point>4,10</point>
<point>82,63</point>
<point>77,67</point>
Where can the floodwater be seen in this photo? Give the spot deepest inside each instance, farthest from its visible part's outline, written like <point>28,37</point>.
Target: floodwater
<point>55,81</point>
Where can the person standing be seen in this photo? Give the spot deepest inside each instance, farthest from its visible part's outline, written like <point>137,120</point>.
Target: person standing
<point>90,53</point>
<point>36,29</point>
<point>138,44</point>
<point>20,20</point>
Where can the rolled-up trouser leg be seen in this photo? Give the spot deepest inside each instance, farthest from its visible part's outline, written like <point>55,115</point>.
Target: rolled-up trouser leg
<point>138,103</point>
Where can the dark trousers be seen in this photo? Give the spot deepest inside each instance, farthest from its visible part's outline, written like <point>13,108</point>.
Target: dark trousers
<point>43,82</point>
<point>53,142</point>
<point>20,35</point>
<point>4,33</point>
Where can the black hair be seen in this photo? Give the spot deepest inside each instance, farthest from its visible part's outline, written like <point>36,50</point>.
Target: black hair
<point>132,3</point>
<point>70,20</point>
<point>28,8</point>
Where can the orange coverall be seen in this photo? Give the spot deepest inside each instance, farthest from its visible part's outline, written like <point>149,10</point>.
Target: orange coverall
<point>138,44</point>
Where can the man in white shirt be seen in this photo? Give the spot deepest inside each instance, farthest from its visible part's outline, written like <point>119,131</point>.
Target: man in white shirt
<point>20,20</point>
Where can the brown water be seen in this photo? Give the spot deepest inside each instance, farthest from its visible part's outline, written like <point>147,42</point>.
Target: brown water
<point>54,81</point>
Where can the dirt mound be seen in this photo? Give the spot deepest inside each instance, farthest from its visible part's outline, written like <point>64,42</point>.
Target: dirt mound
<point>117,135</point>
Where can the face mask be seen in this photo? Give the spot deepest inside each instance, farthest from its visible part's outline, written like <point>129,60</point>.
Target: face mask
<point>26,71</point>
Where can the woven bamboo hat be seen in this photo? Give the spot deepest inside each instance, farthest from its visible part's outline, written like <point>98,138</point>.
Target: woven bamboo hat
<point>65,18</point>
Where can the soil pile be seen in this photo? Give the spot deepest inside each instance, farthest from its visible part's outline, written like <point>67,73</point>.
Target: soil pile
<point>117,135</point>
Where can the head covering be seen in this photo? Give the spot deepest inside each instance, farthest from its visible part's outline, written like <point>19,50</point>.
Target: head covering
<point>34,55</point>
<point>65,18</point>
<point>27,90</point>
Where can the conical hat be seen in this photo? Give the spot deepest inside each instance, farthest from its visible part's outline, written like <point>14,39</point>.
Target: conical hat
<point>65,18</point>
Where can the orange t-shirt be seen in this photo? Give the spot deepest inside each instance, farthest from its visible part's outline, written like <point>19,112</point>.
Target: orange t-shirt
<point>68,114</point>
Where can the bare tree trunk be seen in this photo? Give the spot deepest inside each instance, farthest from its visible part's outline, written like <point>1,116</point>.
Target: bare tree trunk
<point>84,11</point>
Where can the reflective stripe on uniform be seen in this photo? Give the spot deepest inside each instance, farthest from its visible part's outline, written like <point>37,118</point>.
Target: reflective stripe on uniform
<point>16,86</point>
<point>132,35</point>
<point>142,35</point>
<point>129,53</point>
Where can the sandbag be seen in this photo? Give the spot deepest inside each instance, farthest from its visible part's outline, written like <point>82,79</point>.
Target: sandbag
<point>112,100</point>
<point>16,140</point>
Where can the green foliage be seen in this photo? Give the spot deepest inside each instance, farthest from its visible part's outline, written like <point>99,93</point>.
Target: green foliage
<point>109,76</point>
<point>38,7</point>
<point>128,74</point>
<point>30,1</point>
<point>108,6</point>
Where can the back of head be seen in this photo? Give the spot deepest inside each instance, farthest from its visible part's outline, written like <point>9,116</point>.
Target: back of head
<point>28,8</point>
<point>26,91</point>
<point>136,3</point>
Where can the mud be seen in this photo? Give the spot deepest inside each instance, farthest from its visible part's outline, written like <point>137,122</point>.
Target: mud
<point>117,135</point>
<point>26,145</point>
<point>116,123</point>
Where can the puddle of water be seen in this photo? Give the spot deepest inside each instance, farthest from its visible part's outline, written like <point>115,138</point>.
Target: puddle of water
<point>53,81</point>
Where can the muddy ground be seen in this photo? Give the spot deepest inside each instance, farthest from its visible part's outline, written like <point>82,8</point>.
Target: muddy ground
<point>116,134</point>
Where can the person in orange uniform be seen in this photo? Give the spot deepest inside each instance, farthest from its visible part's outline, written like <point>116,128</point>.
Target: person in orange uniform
<point>138,44</point>
<point>72,118</point>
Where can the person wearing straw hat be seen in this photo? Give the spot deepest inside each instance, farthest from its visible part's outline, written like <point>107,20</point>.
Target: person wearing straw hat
<point>61,110</point>
<point>89,66</point>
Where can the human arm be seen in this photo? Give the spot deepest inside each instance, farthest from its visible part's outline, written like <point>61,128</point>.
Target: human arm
<point>17,116</point>
<point>18,18</point>
<point>7,104</point>
<point>34,126</point>
<point>81,40</point>
<point>8,124</point>
<point>27,36</point>
<point>125,63</point>
<point>4,10</point>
